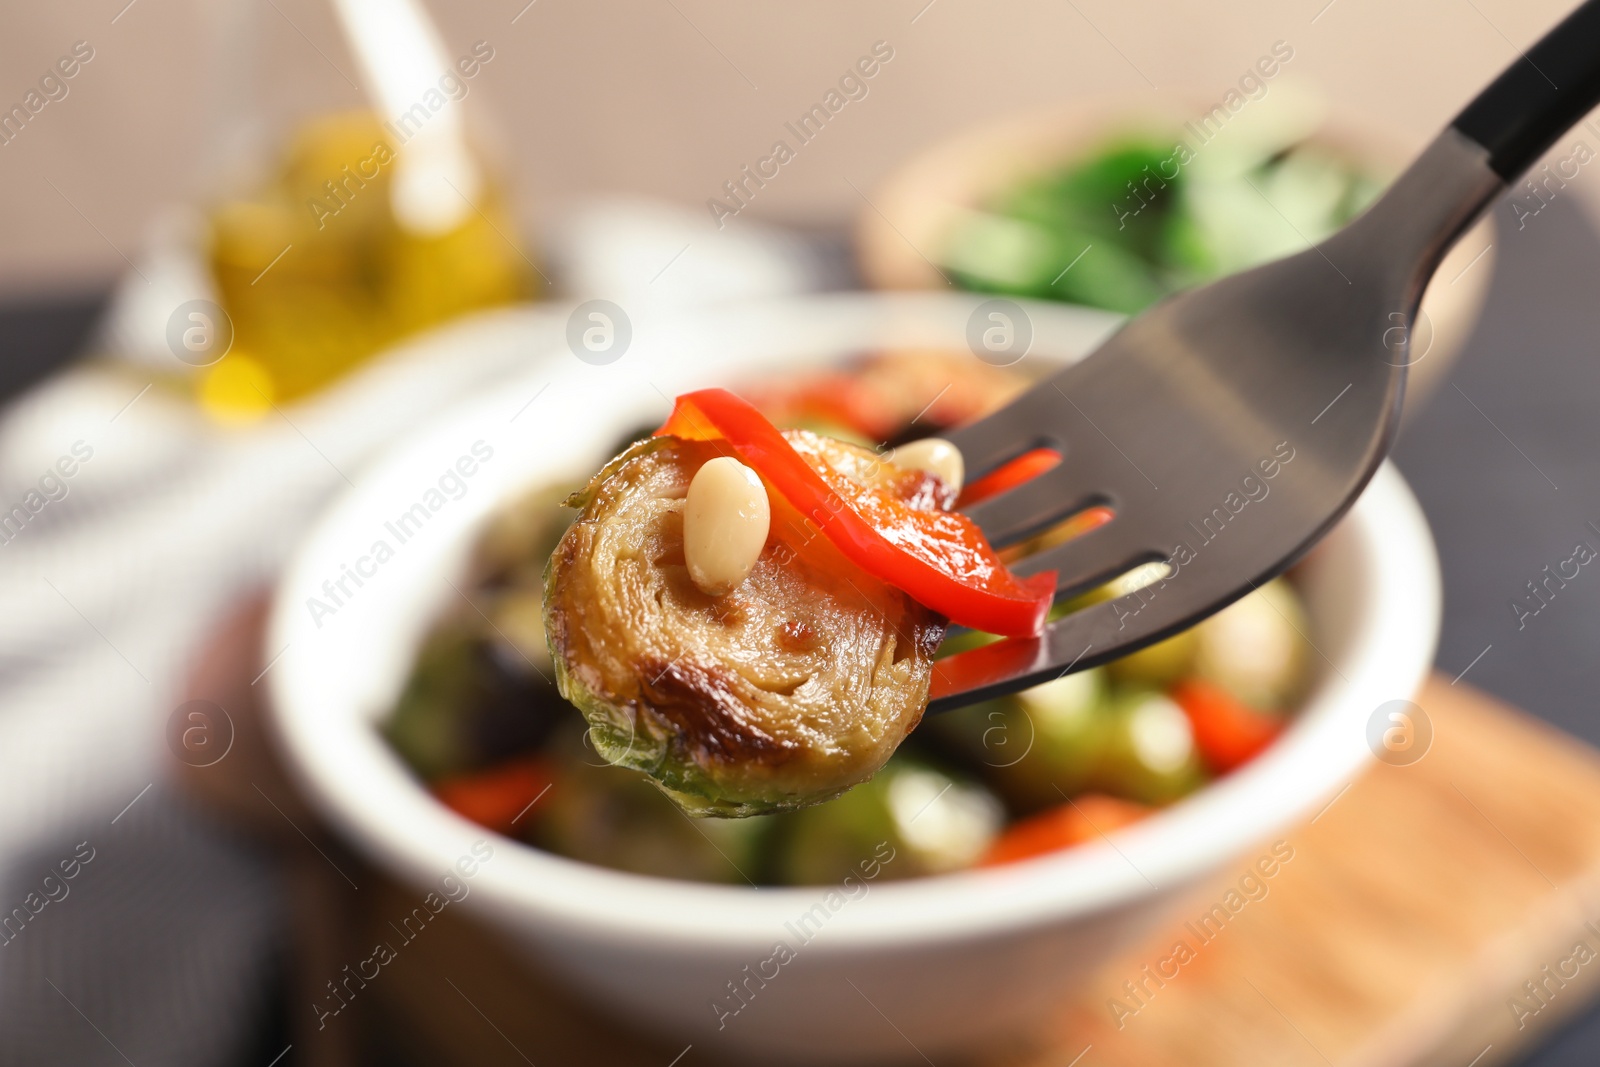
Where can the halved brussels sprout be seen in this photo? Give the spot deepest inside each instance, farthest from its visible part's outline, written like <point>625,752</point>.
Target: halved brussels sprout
<point>910,821</point>
<point>785,692</point>
<point>1149,754</point>
<point>1256,648</point>
<point>1159,664</point>
<point>1039,746</point>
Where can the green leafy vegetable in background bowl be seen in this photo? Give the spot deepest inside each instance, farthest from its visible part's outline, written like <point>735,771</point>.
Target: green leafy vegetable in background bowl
<point>1141,218</point>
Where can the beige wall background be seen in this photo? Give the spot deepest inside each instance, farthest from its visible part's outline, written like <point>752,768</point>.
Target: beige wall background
<point>670,97</point>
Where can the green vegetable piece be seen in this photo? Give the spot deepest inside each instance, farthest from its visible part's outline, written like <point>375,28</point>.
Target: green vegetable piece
<point>1256,648</point>
<point>1238,224</point>
<point>1145,224</point>
<point>423,727</point>
<point>1003,254</point>
<point>1149,754</point>
<point>479,688</point>
<point>1069,727</point>
<point>1122,193</point>
<point>466,705</point>
<point>1186,250</point>
<point>1037,747</point>
<point>1159,665</point>
<point>911,820</point>
<point>1108,277</point>
<point>1112,209</point>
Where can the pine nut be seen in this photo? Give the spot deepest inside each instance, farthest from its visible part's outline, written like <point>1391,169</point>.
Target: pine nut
<point>726,517</point>
<point>934,455</point>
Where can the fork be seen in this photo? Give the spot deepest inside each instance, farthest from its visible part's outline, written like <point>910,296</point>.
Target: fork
<point>1228,427</point>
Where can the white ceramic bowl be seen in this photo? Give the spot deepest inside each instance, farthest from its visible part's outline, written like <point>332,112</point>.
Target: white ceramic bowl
<point>940,963</point>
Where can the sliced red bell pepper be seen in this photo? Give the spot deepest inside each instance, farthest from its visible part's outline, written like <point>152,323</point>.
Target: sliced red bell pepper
<point>1073,823</point>
<point>1024,468</point>
<point>939,558</point>
<point>1227,731</point>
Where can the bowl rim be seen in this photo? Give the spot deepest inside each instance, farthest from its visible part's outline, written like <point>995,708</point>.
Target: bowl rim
<point>362,787</point>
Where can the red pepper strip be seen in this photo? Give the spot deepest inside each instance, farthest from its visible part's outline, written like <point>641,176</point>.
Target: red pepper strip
<point>1024,468</point>
<point>939,558</point>
<point>1083,819</point>
<point>830,397</point>
<point>1227,731</point>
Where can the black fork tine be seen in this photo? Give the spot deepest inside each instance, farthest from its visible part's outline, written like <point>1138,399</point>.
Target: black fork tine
<point>1002,436</point>
<point>1086,638</point>
<point>1090,560</point>
<point>1036,504</point>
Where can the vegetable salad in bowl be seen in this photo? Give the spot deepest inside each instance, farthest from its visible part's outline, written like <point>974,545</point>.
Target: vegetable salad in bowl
<point>620,780</point>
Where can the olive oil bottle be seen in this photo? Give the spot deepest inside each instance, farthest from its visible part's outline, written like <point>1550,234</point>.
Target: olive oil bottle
<point>317,271</point>
<point>345,202</point>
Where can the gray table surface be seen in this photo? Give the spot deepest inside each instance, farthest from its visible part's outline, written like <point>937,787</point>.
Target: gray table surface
<point>1506,461</point>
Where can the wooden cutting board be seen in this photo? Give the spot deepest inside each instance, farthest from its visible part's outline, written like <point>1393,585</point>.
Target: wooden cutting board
<point>1417,905</point>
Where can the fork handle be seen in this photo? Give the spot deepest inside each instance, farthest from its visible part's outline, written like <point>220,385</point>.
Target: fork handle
<point>1539,97</point>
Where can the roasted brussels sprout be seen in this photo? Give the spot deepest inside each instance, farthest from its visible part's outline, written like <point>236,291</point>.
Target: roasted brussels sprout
<point>1149,754</point>
<point>483,687</point>
<point>1159,664</point>
<point>785,692</point>
<point>1038,747</point>
<point>1256,648</point>
<point>911,820</point>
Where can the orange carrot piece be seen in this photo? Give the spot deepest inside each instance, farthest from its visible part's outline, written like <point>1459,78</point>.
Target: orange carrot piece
<point>1072,823</point>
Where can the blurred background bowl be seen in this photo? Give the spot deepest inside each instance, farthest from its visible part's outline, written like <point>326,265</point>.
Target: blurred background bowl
<point>902,237</point>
